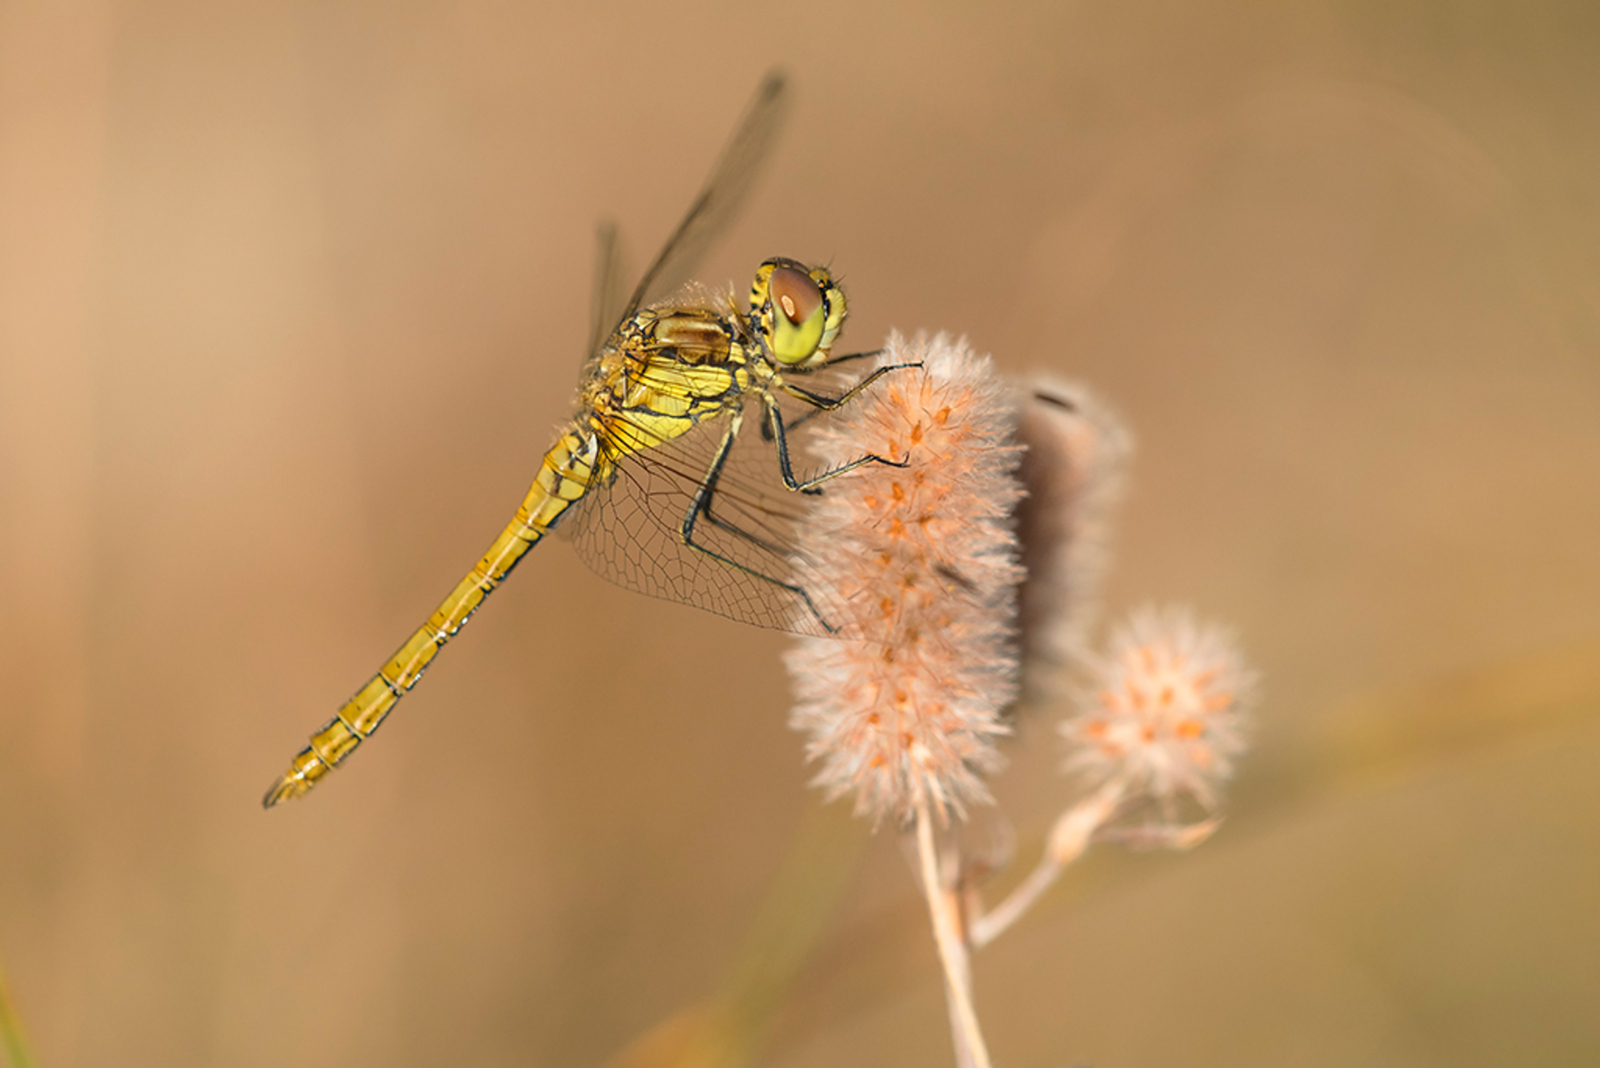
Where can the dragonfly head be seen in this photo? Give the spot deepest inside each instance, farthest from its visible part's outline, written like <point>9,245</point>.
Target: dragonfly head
<point>797,312</point>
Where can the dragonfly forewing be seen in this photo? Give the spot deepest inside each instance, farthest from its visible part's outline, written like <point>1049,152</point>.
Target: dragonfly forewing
<point>675,523</point>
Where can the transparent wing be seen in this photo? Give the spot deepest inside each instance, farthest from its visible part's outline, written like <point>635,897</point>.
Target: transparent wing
<point>629,531</point>
<point>607,303</point>
<point>719,200</point>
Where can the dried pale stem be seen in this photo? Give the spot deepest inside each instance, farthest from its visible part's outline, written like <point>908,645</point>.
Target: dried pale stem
<point>987,927</point>
<point>1068,839</point>
<point>11,1037</point>
<point>964,1055</point>
<point>952,950</point>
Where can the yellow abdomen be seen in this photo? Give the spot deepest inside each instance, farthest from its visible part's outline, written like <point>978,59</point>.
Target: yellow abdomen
<point>566,474</point>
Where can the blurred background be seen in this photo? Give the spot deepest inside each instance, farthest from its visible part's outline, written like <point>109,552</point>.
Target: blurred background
<point>291,296</point>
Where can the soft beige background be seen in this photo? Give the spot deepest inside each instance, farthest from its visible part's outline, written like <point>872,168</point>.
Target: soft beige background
<point>291,295</point>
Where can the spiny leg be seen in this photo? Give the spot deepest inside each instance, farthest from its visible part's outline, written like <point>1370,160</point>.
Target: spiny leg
<point>701,505</point>
<point>735,529</point>
<point>820,403</point>
<point>834,361</point>
<point>828,404</point>
<point>811,485</point>
<point>723,524</point>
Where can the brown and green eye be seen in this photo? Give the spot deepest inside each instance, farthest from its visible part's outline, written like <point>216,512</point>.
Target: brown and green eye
<point>799,314</point>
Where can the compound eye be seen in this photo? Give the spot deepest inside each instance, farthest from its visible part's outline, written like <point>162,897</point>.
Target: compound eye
<point>794,294</point>
<point>798,314</point>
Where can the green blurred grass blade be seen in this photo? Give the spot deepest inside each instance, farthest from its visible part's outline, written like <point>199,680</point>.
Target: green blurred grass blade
<point>11,1037</point>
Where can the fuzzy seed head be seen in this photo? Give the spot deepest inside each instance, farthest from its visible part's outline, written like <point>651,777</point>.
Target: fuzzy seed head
<point>1164,711</point>
<point>1077,451</point>
<point>906,712</point>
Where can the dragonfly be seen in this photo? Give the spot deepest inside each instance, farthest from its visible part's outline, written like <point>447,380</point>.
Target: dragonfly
<point>657,477</point>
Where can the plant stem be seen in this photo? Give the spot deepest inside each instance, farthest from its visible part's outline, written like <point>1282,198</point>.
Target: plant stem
<point>952,950</point>
<point>991,924</point>
<point>1070,836</point>
<point>964,1057</point>
<point>11,1037</point>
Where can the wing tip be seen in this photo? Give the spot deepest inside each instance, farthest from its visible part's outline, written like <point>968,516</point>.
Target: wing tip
<point>773,82</point>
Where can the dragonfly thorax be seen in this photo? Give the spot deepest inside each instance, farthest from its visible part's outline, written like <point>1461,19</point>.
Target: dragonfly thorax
<point>694,336</point>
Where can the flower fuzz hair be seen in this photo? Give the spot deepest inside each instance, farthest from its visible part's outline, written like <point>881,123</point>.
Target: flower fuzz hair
<point>905,712</point>
<point>1164,711</point>
<point>1077,451</point>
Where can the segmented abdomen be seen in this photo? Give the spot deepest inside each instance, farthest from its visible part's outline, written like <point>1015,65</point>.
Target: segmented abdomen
<point>566,474</point>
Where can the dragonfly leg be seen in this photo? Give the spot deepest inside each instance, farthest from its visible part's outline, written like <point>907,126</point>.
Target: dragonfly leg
<point>834,361</point>
<point>820,404</point>
<point>812,485</point>
<point>735,529</point>
<point>701,505</point>
<point>828,404</point>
